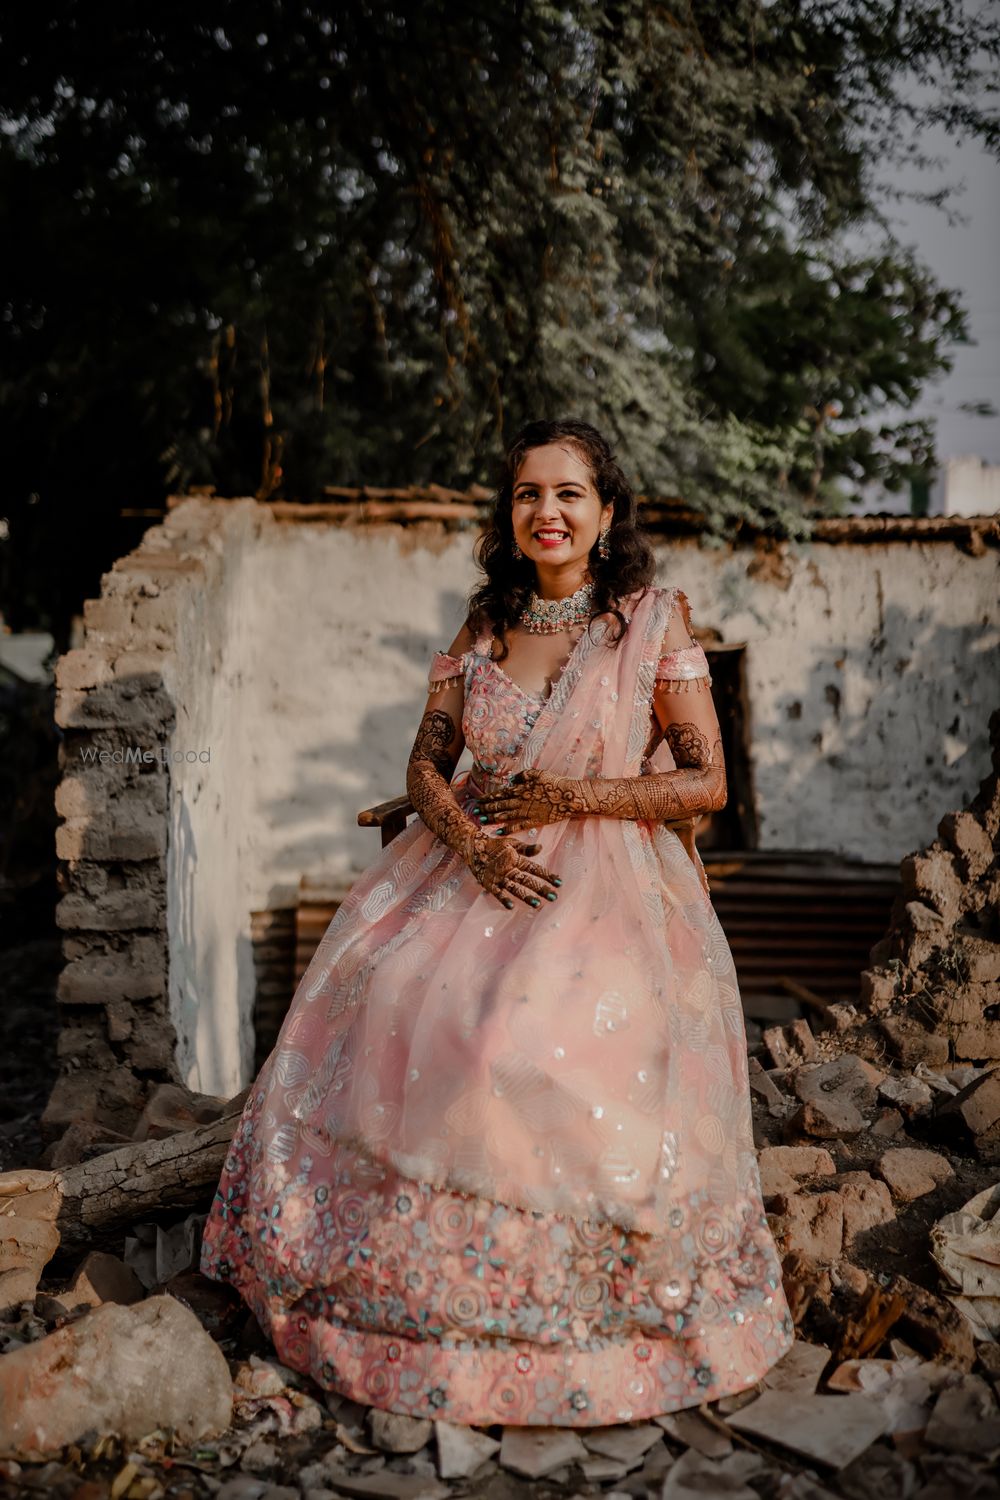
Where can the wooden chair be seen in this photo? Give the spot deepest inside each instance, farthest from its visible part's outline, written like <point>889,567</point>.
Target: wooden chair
<point>390,816</point>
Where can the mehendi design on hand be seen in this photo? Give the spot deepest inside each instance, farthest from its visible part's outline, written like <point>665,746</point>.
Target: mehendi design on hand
<point>501,866</point>
<point>697,786</point>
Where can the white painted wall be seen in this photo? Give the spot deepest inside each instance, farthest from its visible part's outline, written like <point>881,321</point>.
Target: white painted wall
<point>872,671</point>
<point>210,845</point>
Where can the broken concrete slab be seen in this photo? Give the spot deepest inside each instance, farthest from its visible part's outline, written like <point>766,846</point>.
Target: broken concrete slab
<point>387,1484</point>
<point>537,1451</point>
<point>694,1430</point>
<point>694,1477</point>
<point>799,1369</point>
<point>831,1430</point>
<point>965,1419</point>
<point>126,1370</point>
<point>627,1444</point>
<point>462,1450</point>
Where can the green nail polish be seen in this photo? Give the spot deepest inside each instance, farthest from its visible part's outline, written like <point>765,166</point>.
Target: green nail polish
<point>483,818</point>
<point>556,880</point>
<point>550,895</point>
<point>535,901</point>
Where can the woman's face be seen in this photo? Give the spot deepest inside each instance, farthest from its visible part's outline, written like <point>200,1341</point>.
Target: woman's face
<point>556,511</point>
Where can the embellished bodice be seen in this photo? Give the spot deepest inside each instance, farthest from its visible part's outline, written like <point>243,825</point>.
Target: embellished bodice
<point>498,714</point>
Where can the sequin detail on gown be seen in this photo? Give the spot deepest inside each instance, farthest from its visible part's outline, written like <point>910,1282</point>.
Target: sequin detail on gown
<point>438,1302</point>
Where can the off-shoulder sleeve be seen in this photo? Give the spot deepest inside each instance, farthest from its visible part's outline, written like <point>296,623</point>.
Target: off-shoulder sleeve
<point>683,665</point>
<point>446,671</point>
<point>682,658</point>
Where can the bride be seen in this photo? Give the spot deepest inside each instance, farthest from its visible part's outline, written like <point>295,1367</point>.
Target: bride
<point>499,1164</point>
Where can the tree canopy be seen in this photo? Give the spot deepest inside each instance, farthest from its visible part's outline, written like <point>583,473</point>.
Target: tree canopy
<point>271,246</point>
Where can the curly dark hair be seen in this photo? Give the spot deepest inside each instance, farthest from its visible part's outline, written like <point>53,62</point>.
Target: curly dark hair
<point>500,601</point>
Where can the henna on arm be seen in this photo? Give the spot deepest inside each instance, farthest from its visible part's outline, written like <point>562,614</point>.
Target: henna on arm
<point>501,866</point>
<point>689,724</point>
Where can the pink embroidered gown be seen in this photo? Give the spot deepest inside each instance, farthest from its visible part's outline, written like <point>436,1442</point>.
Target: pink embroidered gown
<point>499,1164</point>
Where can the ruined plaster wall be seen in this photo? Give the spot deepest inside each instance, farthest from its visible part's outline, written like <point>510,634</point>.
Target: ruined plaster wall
<point>871,673</point>
<point>212,785</point>
<point>345,624</point>
<point>296,653</point>
<point>872,670</point>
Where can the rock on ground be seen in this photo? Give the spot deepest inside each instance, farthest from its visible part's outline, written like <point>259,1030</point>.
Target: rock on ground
<point>127,1370</point>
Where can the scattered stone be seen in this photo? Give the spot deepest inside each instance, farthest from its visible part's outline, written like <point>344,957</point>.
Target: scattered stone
<point>831,1430</point>
<point>975,1108</point>
<point>888,1122</point>
<point>461,1450</point>
<point>933,1326</point>
<point>805,1281</point>
<point>172,1108</point>
<point>911,1044</point>
<point>791,1044</point>
<point>799,1369</point>
<point>691,1429</point>
<point>126,1370</point>
<point>965,1419</point>
<point>395,1432</point>
<point>909,1095</point>
<point>911,1172</point>
<point>537,1451</point>
<point>80,1141</point>
<point>782,1166</point>
<point>29,1205</point>
<point>103,1278</point>
<point>626,1444</point>
<point>826,1122</point>
<point>843,1089</point>
<point>259,1456</point>
<point>694,1477</point>
<point>765,1087</point>
<point>598,1469</point>
<point>866,1202</point>
<point>387,1484</point>
<point>809,1224</point>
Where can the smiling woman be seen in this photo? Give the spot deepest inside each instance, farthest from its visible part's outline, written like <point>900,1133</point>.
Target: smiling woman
<point>499,1166</point>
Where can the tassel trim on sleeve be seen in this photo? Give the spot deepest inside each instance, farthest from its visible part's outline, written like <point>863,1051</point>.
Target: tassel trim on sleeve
<point>445,682</point>
<point>682,684</point>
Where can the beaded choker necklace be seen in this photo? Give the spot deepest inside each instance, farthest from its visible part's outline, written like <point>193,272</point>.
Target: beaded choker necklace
<point>546,616</point>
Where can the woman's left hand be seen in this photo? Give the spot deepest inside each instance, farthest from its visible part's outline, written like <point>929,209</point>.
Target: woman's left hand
<point>533,798</point>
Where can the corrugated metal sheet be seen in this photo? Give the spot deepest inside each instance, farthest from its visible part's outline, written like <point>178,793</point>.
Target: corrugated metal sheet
<point>812,920</point>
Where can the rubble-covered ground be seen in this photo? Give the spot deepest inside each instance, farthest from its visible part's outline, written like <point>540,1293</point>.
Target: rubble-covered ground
<point>123,1372</point>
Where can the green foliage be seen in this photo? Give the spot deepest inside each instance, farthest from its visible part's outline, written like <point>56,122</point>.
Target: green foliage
<point>269,248</point>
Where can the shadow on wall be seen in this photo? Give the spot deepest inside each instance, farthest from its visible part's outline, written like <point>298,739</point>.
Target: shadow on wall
<point>865,750</point>
<point>335,763</point>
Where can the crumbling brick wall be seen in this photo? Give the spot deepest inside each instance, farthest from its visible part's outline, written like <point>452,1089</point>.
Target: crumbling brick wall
<point>935,984</point>
<point>116,710</point>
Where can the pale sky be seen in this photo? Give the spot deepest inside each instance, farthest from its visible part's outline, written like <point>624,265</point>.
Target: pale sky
<point>965,257</point>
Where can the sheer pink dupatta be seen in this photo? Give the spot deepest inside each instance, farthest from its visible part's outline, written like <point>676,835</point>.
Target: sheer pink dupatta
<point>586,1058</point>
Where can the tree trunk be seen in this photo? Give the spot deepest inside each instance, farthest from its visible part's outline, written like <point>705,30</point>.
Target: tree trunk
<point>105,1196</point>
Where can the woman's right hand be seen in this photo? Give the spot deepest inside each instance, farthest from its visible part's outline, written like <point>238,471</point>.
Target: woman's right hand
<point>503,867</point>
